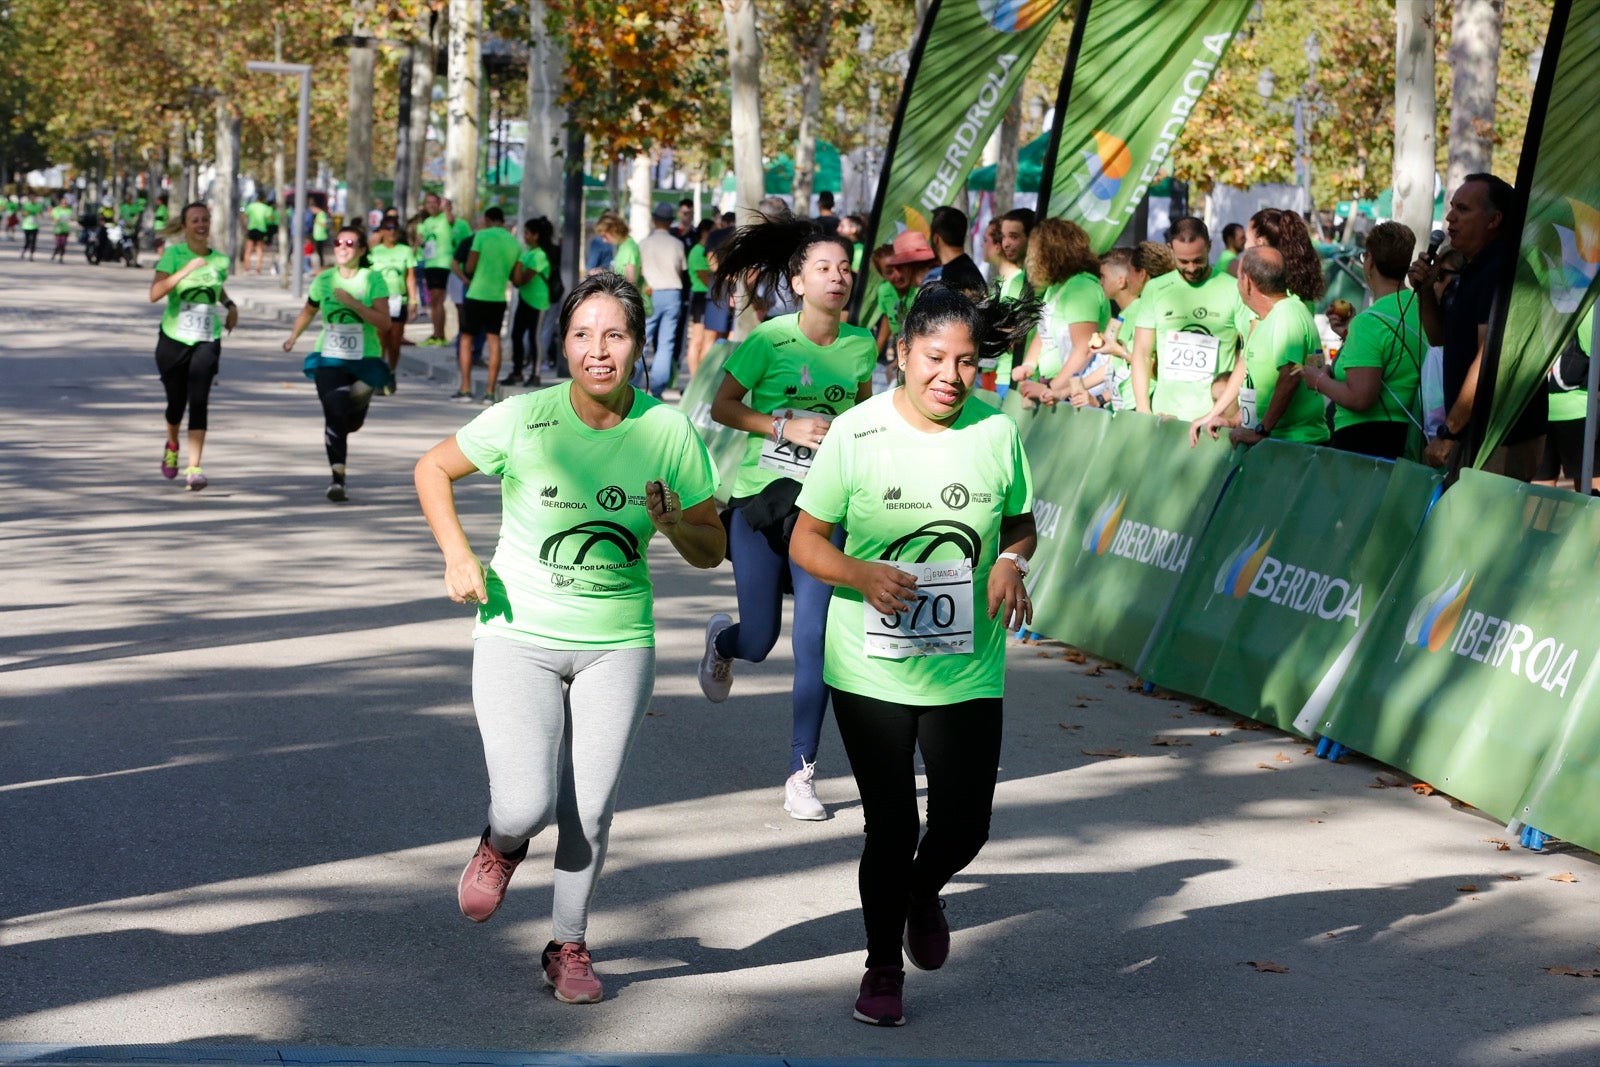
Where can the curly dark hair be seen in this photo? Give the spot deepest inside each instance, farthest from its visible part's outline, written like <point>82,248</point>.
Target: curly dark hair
<point>1058,249</point>
<point>1287,232</point>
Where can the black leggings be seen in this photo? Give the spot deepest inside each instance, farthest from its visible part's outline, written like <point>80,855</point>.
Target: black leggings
<point>961,750</point>
<point>345,399</point>
<point>187,372</point>
<point>525,338</point>
<point>30,242</point>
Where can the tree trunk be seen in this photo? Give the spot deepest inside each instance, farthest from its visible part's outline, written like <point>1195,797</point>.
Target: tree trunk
<point>572,223</point>
<point>461,126</point>
<point>744,66</point>
<point>1415,115</point>
<point>426,54</point>
<point>813,57</point>
<point>1005,171</point>
<point>358,154</point>
<point>640,187</point>
<point>225,189</point>
<point>544,150</point>
<point>1475,61</point>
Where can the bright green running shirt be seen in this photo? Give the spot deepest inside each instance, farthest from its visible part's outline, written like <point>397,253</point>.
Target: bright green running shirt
<point>130,213</point>
<point>30,215</point>
<point>1287,336</point>
<point>498,252</point>
<point>61,215</point>
<point>1574,403</point>
<point>535,292</point>
<point>697,263</point>
<point>1010,290</point>
<point>1120,371</point>
<point>784,370</point>
<point>1079,298</point>
<point>1387,335</point>
<point>1197,330</point>
<point>891,305</point>
<point>319,225</point>
<point>570,571</point>
<point>434,233</point>
<point>1228,256</point>
<point>914,497</point>
<point>192,315</point>
<point>258,215</point>
<point>627,255</point>
<point>346,335</point>
<point>393,263</point>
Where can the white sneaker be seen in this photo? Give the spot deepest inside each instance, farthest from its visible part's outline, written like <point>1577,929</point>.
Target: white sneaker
<point>716,672</point>
<point>800,796</point>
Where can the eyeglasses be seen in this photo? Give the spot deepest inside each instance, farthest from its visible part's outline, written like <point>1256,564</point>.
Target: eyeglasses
<point>345,242</point>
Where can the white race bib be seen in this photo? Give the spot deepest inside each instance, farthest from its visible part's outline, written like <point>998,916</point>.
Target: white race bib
<point>787,458</point>
<point>344,340</point>
<point>1188,357</point>
<point>1249,414</point>
<point>427,249</point>
<point>196,323</point>
<point>939,624</point>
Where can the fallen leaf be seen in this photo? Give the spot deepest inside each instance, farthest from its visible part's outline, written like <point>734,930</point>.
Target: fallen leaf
<point>1386,781</point>
<point>1174,716</point>
<point>1248,724</point>
<point>1499,845</point>
<point>1468,888</point>
<point>1511,877</point>
<point>1313,820</point>
<point>1170,742</point>
<point>1096,671</point>
<point>1163,694</point>
<point>1070,725</point>
<point>1279,757</point>
<point>1133,686</point>
<point>1266,766</point>
<point>1267,966</point>
<point>1202,707</point>
<point>1574,972</point>
<point>1308,751</point>
<point>1111,753</point>
<point>1564,876</point>
<point>1422,789</point>
<point>1042,655</point>
<point>1072,655</point>
<point>1215,733</point>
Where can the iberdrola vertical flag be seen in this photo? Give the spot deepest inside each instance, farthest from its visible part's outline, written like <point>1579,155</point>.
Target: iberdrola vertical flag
<point>1553,274</point>
<point>1134,73</point>
<point>967,66</point>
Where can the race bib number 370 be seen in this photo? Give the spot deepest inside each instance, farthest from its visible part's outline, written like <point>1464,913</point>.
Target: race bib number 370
<point>939,623</point>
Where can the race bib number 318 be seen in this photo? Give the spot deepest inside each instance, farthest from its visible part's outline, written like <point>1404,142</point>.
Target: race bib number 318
<point>939,623</point>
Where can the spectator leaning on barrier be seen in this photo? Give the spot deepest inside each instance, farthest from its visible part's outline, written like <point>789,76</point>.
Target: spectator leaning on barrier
<point>1188,325</point>
<point>1374,383</point>
<point>1475,225</point>
<point>1273,398</point>
<point>1124,273</point>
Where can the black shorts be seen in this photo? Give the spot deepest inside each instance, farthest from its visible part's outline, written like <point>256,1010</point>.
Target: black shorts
<point>437,278</point>
<point>1563,450</point>
<point>172,355</point>
<point>697,307</point>
<point>255,235</point>
<point>483,316</point>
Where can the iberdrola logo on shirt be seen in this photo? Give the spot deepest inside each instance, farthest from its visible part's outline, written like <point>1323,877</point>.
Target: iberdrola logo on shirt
<point>594,544</point>
<point>919,545</point>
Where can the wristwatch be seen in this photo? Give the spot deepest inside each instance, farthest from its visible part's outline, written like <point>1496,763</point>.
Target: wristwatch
<point>1261,429</point>
<point>1018,561</point>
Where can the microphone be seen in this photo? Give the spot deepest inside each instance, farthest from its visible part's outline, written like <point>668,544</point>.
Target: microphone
<point>1435,239</point>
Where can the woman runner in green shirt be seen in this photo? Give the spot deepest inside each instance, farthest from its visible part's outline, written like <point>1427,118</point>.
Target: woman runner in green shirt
<point>396,261</point>
<point>564,650</point>
<point>937,497</point>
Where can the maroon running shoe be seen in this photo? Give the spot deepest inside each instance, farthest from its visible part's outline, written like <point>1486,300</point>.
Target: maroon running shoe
<point>880,1001</point>
<point>483,883</point>
<point>927,934</point>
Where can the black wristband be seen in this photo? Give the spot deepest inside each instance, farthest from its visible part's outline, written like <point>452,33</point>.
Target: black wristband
<point>1262,430</point>
<point>1447,434</point>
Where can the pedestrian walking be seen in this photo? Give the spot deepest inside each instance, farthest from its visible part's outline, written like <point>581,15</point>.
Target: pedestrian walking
<point>564,648</point>
<point>937,497</point>
<point>396,262</point>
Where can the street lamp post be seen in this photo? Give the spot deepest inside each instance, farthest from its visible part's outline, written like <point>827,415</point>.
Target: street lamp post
<point>302,147</point>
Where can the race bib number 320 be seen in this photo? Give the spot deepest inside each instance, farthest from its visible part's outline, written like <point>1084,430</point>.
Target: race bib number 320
<point>939,623</point>
<point>344,340</point>
<point>1189,357</point>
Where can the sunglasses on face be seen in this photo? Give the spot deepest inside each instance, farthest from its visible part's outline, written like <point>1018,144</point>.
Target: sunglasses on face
<point>345,242</point>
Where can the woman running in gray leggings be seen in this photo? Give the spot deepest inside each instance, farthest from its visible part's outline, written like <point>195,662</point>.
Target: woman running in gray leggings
<point>564,658</point>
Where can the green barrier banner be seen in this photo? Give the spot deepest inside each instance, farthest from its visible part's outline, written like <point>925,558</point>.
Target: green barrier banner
<point>1297,556</point>
<point>967,67</point>
<point>1559,253</point>
<point>1132,79</point>
<point>1477,670</point>
<point>726,445</point>
<point>1119,510</point>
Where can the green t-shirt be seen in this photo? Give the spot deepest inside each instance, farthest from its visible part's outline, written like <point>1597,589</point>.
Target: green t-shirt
<point>1228,256</point>
<point>857,252</point>
<point>393,263</point>
<point>434,233</point>
<point>1573,404</point>
<point>319,225</point>
<point>535,292</point>
<point>61,215</point>
<point>891,305</point>
<point>627,255</point>
<point>697,263</point>
<point>130,213</point>
<point>570,571</point>
<point>30,215</point>
<point>784,370</point>
<point>927,498</point>
<point>1119,373</point>
<point>161,215</point>
<point>1009,289</point>
<point>192,315</point>
<point>258,215</point>
<point>498,252</point>
<point>1288,335</point>
<point>1197,330</point>
<point>1387,335</point>
<point>1079,298</point>
<point>339,339</point>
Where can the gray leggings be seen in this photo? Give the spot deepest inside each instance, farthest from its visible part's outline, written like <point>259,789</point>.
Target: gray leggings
<point>557,727</point>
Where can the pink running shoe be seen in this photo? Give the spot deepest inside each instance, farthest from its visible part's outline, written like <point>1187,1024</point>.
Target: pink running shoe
<point>169,460</point>
<point>483,884</point>
<point>568,971</point>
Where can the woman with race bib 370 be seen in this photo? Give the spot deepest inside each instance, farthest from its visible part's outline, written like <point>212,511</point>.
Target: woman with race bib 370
<point>799,371</point>
<point>189,276</point>
<point>937,497</point>
<point>348,365</point>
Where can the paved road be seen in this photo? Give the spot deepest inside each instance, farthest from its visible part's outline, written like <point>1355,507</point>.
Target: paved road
<point>239,776</point>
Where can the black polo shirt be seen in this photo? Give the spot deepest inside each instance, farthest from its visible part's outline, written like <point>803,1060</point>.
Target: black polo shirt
<point>1468,310</point>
